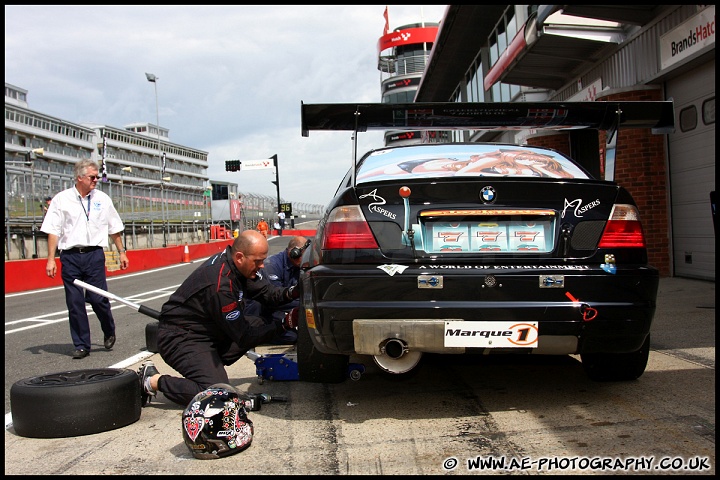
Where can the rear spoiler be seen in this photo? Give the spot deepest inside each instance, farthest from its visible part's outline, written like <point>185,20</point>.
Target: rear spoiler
<point>611,116</point>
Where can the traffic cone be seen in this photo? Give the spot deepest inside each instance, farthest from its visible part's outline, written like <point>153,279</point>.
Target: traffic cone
<point>186,255</point>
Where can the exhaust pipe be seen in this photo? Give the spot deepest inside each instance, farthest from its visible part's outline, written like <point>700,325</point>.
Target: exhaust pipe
<point>396,358</point>
<point>394,348</point>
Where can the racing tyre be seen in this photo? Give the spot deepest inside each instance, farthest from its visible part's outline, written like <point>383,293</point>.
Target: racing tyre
<point>313,365</point>
<point>609,367</point>
<point>74,403</point>
<point>151,336</point>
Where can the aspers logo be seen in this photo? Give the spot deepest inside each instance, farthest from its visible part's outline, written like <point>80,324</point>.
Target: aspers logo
<point>577,209</point>
<point>376,205</point>
<point>406,36</point>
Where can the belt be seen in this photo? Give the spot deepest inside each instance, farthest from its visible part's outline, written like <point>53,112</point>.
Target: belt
<point>81,249</point>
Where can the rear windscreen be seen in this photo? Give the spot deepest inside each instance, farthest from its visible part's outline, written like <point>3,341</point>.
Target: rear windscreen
<point>434,161</point>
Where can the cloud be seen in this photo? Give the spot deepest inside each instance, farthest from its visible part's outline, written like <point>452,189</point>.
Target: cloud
<point>230,78</point>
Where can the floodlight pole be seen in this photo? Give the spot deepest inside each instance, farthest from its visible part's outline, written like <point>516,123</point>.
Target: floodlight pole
<point>153,79</point>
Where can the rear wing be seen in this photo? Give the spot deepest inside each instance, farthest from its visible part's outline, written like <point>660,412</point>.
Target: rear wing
<point>611,116</point>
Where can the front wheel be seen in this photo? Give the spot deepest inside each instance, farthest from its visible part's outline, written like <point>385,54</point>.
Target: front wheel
<point>313,365</point>
<point>613,367</point>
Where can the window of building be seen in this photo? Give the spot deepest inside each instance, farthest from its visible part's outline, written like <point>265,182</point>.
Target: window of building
<point>493,48</point>
<point>688,118</point>
<point>220,192</point>
<point>407,96</point>
<point>475,90</point>
<point>511,24</point>
<point>708,111</point>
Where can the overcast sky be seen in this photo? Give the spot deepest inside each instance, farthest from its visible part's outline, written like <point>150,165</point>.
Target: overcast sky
<point>230,78</point>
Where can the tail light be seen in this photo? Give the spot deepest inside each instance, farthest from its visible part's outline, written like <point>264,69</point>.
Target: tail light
<point>346,228</point>
<point>623,229</point>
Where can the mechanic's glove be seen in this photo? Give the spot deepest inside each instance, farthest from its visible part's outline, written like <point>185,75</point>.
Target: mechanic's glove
<point>290,322</point>
<point>293,292</point>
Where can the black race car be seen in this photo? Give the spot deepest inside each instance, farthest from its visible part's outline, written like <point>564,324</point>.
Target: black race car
<point>457,248</point>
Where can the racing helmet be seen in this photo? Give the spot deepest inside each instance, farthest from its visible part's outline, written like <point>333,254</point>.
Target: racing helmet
<point>215,423</point>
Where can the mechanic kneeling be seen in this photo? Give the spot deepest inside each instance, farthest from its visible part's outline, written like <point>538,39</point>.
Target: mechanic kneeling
<point>203,327</point>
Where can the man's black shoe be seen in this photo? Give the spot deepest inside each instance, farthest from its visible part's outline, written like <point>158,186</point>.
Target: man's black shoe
<point>109,342</point>
<point>146,371</point>
<point>80,353</point>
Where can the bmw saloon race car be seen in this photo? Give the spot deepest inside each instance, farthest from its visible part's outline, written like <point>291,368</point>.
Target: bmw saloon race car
<point>462,248</point>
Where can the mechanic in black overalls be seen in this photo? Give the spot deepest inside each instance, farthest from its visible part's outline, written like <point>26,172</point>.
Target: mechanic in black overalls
<point>203,327</point>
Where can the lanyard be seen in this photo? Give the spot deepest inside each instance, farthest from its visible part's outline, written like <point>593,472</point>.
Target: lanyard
<point>87,210</point>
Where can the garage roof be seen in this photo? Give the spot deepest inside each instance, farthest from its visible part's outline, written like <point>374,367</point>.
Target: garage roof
<point>546,60</point>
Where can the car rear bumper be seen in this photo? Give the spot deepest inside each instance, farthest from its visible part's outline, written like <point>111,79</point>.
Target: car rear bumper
<point>359,313</point>
<point>424,335</point>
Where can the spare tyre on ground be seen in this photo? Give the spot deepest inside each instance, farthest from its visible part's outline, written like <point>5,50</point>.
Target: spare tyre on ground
<point>74,403</point>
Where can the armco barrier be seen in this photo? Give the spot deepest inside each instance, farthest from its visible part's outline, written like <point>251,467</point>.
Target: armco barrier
<point>24,275</point>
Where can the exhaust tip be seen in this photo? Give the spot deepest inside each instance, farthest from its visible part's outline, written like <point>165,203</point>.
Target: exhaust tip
<point>396,357</point>
<point>394,348</point>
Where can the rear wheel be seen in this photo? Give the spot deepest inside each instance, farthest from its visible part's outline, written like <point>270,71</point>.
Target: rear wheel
<point>315,366</point>
<point>609,367</point>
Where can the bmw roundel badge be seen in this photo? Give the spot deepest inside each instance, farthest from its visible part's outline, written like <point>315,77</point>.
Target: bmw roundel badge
<point>487,194</point>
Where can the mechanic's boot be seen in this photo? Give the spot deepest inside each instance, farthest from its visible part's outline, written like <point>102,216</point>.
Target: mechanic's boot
<point>146,371</point>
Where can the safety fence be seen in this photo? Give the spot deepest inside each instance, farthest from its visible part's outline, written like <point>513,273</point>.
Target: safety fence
<point>155,215</point>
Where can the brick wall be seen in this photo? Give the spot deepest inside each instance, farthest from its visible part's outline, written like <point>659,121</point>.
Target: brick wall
<point>641,167</point>
<point>560,142</point>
